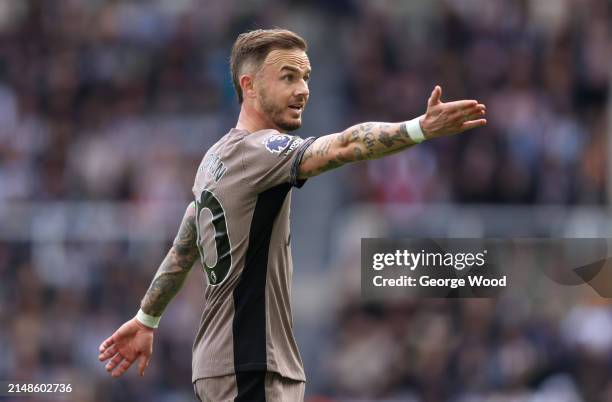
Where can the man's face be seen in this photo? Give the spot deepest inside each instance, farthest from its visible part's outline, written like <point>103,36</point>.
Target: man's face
<point>281,85</point>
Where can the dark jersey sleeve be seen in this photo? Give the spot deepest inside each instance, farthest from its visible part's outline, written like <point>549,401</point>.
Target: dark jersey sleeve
<point>271,158</point>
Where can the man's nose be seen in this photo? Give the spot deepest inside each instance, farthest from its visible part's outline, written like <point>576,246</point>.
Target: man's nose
<point>302,89</point>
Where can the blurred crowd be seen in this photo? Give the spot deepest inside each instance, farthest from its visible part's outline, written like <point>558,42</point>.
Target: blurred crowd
<point>472,350</point>
<point>117,101</point>
<point>543,70</point>
<point>98,97</point>
<point>538,341</point>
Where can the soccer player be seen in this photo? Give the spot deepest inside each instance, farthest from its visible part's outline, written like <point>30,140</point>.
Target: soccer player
<point>239,224</point>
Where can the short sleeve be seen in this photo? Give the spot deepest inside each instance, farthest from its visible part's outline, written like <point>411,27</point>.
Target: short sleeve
<point>271,158</point>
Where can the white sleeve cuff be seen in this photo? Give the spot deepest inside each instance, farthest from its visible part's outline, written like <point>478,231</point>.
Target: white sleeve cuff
<point>147,320</point>
<point>413,127</point>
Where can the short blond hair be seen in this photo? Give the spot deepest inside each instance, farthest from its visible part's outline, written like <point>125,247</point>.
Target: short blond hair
<point>254,46</point>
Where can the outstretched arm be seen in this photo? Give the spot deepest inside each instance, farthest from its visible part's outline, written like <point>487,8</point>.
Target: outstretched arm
<point>134,339</point>
<point>373,140</point>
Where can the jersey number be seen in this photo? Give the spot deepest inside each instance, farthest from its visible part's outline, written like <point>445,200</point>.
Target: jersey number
<point>217,273</point>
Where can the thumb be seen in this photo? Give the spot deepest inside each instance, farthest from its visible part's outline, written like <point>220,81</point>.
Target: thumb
<point>434,99</point>
<point>143,363</point>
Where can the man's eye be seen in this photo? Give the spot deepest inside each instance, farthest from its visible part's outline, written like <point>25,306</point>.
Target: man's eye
<point>307,78</point>
<point>288,77</point>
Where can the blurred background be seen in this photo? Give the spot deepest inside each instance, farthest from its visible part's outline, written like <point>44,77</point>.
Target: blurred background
<point>107,107</point>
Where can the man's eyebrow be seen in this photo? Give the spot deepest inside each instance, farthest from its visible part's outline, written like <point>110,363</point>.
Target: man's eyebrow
<point>297,70</point>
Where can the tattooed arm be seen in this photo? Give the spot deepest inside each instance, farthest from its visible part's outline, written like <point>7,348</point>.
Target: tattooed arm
<point>374,140</point>
<point>360,142</point>
<point>174,268</point>
<point>133,340</point>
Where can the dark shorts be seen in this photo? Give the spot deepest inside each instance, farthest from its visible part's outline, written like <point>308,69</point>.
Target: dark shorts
<point>250,386</point>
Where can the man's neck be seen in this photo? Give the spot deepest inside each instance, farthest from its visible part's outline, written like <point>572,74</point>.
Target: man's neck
<point>252,120</point>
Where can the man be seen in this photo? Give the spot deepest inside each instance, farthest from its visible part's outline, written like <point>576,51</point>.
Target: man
<point>239,224</point>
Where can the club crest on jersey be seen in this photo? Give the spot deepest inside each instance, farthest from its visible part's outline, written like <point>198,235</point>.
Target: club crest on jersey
<point>213,277</point>
<point>277,143</point>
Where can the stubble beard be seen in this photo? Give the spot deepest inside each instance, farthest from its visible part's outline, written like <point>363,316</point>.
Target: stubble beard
<point>275,114</point>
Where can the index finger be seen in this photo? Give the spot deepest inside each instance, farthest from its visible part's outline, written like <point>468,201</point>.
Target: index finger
<point>106,344</point>
<point>108,353</point>
<point>462,104</point>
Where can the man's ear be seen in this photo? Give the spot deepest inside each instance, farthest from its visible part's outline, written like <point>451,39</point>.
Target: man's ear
<point>247,84</point>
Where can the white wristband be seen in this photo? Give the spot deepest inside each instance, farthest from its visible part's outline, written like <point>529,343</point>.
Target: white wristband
<point>148,320</point>
<point>413,127</point>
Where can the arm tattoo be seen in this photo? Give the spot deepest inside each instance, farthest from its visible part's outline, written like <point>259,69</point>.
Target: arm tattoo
<point>174,268</point>
<point>360,142</point>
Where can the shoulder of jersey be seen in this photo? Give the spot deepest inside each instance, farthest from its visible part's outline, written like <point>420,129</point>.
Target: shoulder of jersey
<point>275,142</point>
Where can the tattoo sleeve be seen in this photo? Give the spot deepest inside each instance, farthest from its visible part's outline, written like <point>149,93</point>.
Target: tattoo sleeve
<point>360,142</point>
<point>174,268</point>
